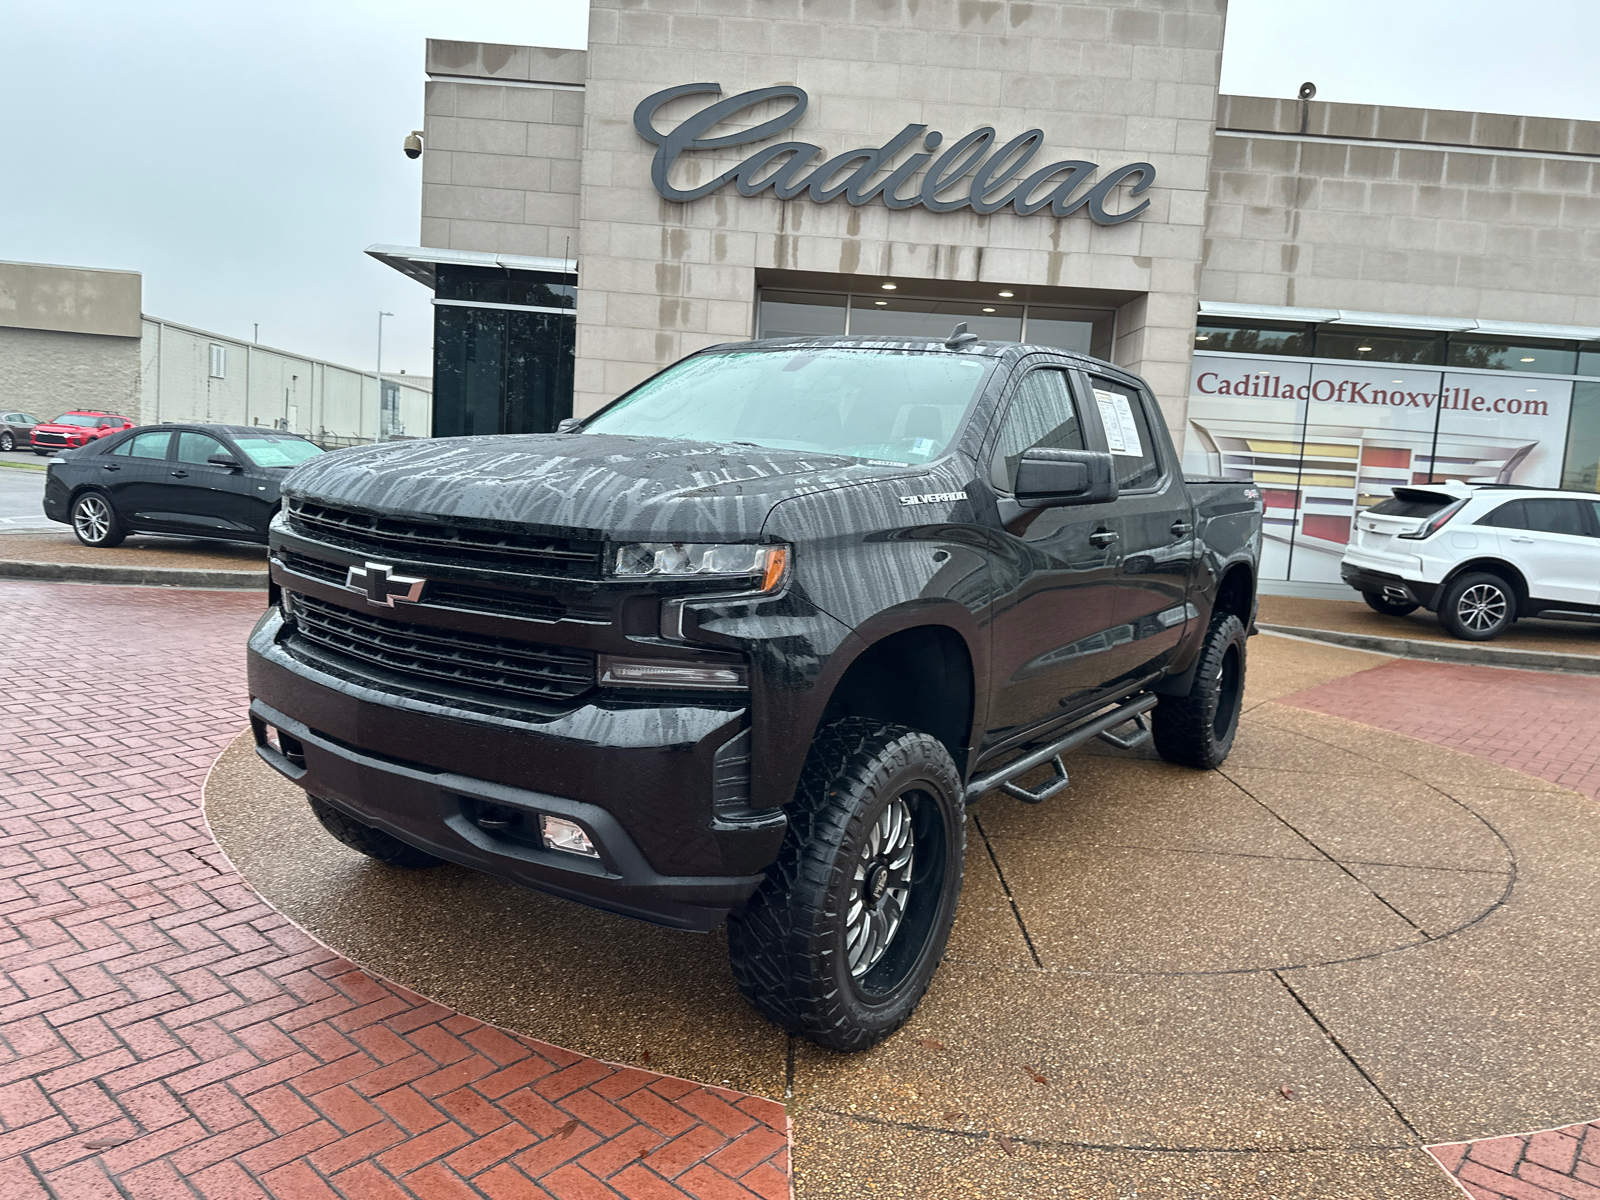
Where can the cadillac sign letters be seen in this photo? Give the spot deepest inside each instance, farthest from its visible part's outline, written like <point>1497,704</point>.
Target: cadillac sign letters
<point>971,172</point>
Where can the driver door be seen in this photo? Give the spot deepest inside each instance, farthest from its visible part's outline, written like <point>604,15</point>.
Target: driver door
<point>1053,616</point>
<point>206,498</point>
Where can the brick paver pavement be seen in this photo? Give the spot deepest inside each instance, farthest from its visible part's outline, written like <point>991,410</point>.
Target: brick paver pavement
<point>1539,722</point>
<point>165,1033</point>
<point>1554,1164</point>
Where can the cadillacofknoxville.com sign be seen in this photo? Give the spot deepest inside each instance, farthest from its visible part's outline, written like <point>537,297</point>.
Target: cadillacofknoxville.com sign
<point>993,179</point>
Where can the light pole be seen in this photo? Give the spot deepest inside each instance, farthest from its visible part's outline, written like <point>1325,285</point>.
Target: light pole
<point>381,315</point>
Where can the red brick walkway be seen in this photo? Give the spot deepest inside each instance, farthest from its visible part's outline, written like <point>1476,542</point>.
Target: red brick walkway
<point>164,1033</point>
<point>1549,726</point>
<point>1557,1164</point>
<point>1534,721</point>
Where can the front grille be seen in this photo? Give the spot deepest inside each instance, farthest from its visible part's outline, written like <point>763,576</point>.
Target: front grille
<point>50,439</point>
<point>435,541</point>
<point>439,593</point>
<point>501,667</point>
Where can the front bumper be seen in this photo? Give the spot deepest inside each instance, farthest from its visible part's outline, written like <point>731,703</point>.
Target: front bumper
<point>639,781</point>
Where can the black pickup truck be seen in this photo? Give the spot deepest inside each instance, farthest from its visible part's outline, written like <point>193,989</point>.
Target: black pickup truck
<point>744,644</point>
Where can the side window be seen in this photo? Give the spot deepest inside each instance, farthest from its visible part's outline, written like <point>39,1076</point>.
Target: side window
<point>1127,426</point>
<point>121,447</point>
<point>150,445</point>
<point>1041,414</point>
<point>1507,516</point>
<point>1557,516</point>
<point>195,448</point>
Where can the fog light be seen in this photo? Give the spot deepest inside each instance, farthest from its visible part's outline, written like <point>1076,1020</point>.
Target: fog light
<point>659,673</point>
<point>565,835</point>
<point>272,739</point>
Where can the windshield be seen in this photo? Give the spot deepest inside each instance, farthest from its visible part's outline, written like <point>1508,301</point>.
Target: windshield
<point>276,452</point>
<point>76,419</point>
<point>892,406</point>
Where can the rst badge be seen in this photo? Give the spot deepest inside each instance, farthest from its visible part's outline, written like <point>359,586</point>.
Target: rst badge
<point>380,585</point>
<point>933,498</point>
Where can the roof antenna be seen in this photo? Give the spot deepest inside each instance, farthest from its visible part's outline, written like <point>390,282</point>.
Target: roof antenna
<point>959,336</point>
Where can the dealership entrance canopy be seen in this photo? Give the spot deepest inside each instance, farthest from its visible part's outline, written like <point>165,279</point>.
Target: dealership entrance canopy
<point>1330,299</point>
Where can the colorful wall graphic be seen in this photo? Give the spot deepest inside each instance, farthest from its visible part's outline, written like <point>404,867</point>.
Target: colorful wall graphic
<point>1326,440</point>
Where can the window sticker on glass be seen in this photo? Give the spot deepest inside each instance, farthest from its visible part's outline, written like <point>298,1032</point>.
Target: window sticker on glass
<point>1122,435</point>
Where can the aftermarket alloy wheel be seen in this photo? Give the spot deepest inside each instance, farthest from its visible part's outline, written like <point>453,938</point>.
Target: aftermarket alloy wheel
<point>1377,602</point>
<point>840,941</point>
<point>1197,730</point>
<point>1478,606</point>
<point>95,521</point>
<point>374,843</point>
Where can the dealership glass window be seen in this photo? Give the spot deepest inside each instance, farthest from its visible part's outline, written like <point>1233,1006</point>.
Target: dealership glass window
<point>1081,330</point>
<point>1254,339</point>
<point>1378,346</point>
<point>801,314</point>
<point>498,285</point>
<point>1589,359</point>
<point>892,316</point>
<point>1544,358</point>
<point>500,370</point>
<point>1581,470</point>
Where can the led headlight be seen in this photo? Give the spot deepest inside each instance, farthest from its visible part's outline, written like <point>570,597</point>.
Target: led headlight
<point>701,560</point>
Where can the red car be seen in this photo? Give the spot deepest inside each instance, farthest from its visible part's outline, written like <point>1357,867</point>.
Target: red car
<point>74,429</point>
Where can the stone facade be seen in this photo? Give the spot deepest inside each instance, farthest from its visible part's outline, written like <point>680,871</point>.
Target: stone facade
<point>1108,82</point>
<point>49,372</point>
<point>1403,210</point>
<point>500,170</point>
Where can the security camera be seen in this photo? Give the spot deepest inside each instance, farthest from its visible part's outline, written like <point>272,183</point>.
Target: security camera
<point>1308,91</point>
<point>413,144</point>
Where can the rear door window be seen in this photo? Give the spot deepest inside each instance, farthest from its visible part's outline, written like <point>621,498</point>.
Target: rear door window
<point>1507,516</point>
<point>1557,516</point>
<point>150,445</point>
<point>1127,425</point>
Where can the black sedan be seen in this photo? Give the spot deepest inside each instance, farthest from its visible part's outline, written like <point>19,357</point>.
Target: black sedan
<point>205,481</point>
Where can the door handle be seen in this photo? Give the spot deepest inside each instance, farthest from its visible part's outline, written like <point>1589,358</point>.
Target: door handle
<point>180,474</point>
<point>1523,541</point>
<point>1182,528</point>
<point>1103,537</point>
<point>109,467</point>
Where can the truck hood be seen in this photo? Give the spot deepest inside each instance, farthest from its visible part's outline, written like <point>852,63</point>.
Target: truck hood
<point>580,485</point>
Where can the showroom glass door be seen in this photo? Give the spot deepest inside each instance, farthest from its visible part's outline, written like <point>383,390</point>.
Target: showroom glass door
<point>500,370</point>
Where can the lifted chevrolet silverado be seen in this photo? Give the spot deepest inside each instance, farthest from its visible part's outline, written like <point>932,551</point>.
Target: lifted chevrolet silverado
<point>744,644</point>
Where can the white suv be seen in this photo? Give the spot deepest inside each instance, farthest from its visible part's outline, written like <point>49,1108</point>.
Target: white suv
<point>1479,556</point>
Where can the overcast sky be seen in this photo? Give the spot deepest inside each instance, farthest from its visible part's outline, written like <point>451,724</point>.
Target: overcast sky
<point>242,155</point>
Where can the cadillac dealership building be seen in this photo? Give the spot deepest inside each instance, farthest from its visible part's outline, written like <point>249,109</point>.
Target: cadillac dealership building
<point>1327,298</point>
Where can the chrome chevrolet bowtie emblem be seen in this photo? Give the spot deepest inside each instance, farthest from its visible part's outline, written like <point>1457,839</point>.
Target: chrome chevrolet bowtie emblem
<point>380,585</point>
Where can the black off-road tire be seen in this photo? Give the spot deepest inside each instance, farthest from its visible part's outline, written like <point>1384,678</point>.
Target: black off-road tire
<point>1379,603</point>
<point>1197,730</point>
<point>95,522</point>
<point>788,944</point>
<point>374,843</point>
<point>1478,606</point>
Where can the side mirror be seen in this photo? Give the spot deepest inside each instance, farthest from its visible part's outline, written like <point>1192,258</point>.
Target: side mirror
<point>225,460</point>
<point>569,425</point>
<point>1058,478</point>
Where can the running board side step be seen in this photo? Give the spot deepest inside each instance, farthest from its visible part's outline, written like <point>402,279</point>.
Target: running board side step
<point>1001,777</point>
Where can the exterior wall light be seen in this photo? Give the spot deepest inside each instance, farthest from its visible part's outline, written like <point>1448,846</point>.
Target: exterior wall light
<point>888,287</point>
<point>988,310</point>
<point>1007,295</point>
<point>413,144</point>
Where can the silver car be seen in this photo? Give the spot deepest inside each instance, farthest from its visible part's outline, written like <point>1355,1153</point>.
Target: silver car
<point>16,429</point>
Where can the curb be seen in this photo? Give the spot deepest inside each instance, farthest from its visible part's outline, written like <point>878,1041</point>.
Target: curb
<point>138,576</point>
<point>1466,652</point>
<point>37,468</point>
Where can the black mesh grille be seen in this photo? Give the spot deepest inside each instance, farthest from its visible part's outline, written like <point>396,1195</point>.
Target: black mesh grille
<point>433,541</point>
<point>498,666</point>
